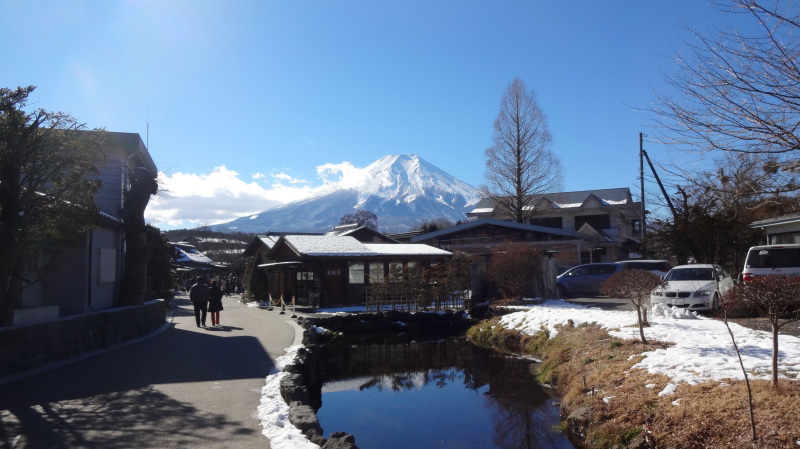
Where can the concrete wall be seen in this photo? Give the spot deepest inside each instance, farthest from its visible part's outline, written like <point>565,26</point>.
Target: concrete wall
<point>32,346</point>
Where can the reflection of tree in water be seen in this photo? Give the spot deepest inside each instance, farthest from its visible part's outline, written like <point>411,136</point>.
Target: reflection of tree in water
<point>410,380</point>
<point>124,419</point>
<point>518,405</point>
<point>399,365</point>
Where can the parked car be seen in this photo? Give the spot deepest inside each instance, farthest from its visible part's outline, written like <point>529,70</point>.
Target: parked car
<point>585,279</point>
<point>695,287</point>
<point>659,267</point>
<point>771,260</point>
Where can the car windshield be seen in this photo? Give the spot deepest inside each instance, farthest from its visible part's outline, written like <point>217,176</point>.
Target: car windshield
<point>690,274</point>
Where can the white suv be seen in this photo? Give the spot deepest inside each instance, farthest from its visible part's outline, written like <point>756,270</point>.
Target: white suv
<point>771,260</point>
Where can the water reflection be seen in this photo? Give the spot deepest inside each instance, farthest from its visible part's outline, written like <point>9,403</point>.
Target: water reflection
<point>435,394</point>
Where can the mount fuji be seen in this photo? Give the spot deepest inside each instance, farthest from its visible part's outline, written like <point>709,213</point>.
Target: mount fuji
<point>402,190</point>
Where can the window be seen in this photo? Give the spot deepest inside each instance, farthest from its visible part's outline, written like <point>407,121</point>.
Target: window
<point>548,222</point>
<point>396,272</point>
<point>601,221</point>
<point>305,279</point>
<point>791,237</point>
<point>356,274</point>
<point>306,284</point>
<point>580,271</point>
<point>636,226</point>
<point>602,269</point>
<point>375,272</point>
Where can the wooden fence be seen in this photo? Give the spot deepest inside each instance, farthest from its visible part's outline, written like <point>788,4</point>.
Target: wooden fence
<point>398,297</point>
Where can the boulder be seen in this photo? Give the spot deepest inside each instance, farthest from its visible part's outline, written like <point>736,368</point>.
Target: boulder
<point>341,440</point>
<point>304,418</point>
<point>293,390</point>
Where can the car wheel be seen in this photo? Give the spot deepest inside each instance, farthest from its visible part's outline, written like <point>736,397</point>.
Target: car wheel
<point>562,292</point>
<point>715,303</point>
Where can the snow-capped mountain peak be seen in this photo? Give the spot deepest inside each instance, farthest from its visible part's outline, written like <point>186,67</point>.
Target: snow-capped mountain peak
<point>402,190</point>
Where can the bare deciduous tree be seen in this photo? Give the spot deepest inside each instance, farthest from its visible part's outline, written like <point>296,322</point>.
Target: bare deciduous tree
<point>512,268</point>
<point>519,164</point>
<point>362,217</point>
<point>634,285</point>
<point>775,297</point>
<point>738,92</point>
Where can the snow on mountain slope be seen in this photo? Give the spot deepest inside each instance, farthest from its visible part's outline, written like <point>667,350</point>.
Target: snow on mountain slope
<point>402,190</point>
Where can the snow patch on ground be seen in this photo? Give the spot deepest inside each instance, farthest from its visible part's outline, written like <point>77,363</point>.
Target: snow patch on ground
<point>702,348</point>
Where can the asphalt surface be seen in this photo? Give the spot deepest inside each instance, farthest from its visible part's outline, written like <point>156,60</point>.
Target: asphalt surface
<point>602,302</point>
<point>181,386</point>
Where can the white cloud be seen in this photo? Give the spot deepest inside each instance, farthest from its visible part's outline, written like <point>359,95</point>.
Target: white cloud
<point>343,175</point>
<point>286,177</point>
<point>188,200</point>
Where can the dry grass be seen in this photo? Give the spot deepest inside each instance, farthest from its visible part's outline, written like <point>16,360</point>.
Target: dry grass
<point>592,369</point>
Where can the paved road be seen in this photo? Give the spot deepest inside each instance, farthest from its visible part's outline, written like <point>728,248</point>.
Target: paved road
<point>183,386</point>
<point>602,302</point>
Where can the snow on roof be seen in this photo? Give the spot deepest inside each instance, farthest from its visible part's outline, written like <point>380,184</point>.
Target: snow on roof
<point>191,255</point>
<point>269,240</point>
<point>482,210</point>
<point>325,245</point>
<point>343,229</point>
<point>566,200</point>
<point>335,245</point>
<point>407,249</point>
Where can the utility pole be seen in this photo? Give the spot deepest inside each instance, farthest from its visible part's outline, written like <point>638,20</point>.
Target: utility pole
<point>641,192</point>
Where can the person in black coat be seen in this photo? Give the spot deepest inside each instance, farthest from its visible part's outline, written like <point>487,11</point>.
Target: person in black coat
<point>214,302</point>
<point>198,294</point>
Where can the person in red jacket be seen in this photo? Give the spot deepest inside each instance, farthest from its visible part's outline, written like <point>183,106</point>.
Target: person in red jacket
<point>214,302</point>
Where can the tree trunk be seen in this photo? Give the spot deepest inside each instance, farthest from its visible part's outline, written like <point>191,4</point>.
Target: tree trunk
<point>10,265</point>
<point>134,278</point>
<point>641,325</point>
<point>775,329</point>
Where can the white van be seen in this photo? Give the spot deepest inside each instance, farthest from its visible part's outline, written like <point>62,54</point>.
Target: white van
<point>767,260</point>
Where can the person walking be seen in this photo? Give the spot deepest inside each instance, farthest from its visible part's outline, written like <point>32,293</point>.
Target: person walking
<point>214,302</point>
<point>198,294</point>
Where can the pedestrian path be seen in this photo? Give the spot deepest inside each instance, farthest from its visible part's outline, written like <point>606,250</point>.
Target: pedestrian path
<point>182,387</point>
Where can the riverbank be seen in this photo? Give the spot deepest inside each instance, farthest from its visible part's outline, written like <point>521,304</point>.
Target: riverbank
<point>608,402</point>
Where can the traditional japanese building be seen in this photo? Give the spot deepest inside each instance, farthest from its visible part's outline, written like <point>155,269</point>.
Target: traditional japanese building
<point>334,269</point>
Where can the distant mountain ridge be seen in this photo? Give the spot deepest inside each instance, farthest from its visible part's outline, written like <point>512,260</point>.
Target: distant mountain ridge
<point>402,190</point>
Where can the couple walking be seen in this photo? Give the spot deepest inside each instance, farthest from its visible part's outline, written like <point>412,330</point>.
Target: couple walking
<point>205,300</point>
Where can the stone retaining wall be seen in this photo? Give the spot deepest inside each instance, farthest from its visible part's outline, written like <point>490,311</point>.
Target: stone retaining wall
<point>301,386</point>
<point>31,346</point>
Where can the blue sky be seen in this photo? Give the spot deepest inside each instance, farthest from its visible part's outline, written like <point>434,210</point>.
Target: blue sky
<point>249,102</point>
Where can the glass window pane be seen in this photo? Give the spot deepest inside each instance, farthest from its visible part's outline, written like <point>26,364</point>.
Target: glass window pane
<point>375,272</point>
<point>356,273</point>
